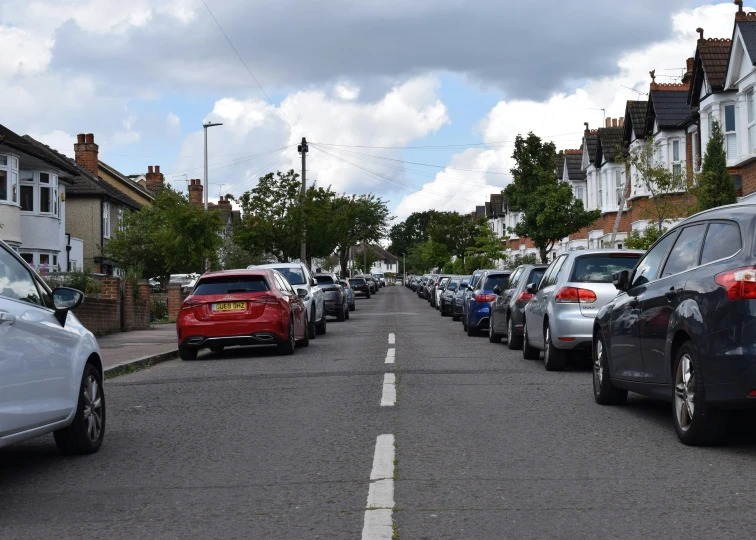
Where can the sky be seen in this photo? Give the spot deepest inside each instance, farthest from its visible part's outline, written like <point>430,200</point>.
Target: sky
<point>416,101</point>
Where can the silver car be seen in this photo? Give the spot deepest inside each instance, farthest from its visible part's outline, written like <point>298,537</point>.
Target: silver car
<point>565,303</point>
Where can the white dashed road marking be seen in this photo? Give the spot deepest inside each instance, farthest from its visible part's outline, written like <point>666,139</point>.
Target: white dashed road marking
<point>380,502</point>
<point>392,338</point>
<point>389,390</point>
<point>390,356</point>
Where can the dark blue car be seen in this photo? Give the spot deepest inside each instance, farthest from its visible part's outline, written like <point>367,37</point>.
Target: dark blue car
<point>683,326</point>
<point>478,301</point>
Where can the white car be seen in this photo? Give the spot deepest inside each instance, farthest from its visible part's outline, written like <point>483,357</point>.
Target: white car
<point>381,279</point>
<point>50,367</point>
<point>299,277</point>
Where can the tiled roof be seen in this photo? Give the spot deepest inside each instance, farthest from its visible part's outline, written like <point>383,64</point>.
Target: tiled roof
<point>128,181</point>
<point>591,144</point>
<point>39,151</point>
<point>635,119</point>
<point>575,167</point>
<point>748,31</point>
<point>86,183</point>
<point>480,211</point>
<point>669,108</point>
<point>610,143</point>
<point>497,202</point>
<point>715,54</point>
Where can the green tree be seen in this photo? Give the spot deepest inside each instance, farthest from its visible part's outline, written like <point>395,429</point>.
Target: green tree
<point>356,219</point>
<point>644,239</point>
<point>487,245</point>
<point>670,196</point>
<point>233,256</point>
<point>169,237</point>
<point>412,231</point>
<point>455,231</point>
<point>272,217</point>
<point>549,210</point>
<point>715,184</point>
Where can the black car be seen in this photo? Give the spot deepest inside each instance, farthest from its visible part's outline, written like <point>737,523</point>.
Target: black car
<point>335,298</point>
<point>682,327</point>
<point>459,298</point>
<point>508,309</point>
<point>360,286</point>
<point>446,302</point>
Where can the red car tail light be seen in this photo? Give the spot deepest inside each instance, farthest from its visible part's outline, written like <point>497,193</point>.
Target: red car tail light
<point>485,298</point>
<point>190,303</point>
<point>752,394</point>
<point>525,297</point>
<point>574,295</point>
<point>740,284</point>
<point>268,299</point>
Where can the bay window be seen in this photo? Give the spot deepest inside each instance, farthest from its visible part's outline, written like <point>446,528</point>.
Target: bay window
<point>579,194</point>
<point>731,139</point>
<point>676,162</point>
<point>39,192</point>
<point>694,151</point>
<point>27,191</point>
<point>751,106</point>
<point>8,178</point>
<point>600,191</point>
<point>618,185</point>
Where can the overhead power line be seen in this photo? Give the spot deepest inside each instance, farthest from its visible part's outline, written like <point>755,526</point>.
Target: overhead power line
<point>246,66</point>
<point>445,146</point>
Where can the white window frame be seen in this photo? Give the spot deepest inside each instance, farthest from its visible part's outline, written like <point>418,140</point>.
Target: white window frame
<point>10,168</point>
<point>601,191</point>
<point>106,219</point>
<point>675,162</point>
<point>35,182</point>
<point>731,135</point>
<point>751,107</point>
<point>618,184</point>
<point>120,219</point>
<point>580,194</point>
<point>694,151</point>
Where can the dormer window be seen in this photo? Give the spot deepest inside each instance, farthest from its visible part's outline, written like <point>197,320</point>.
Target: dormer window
<point>731,139</point>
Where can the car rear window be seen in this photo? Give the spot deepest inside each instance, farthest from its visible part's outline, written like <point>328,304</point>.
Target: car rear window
<point>324,280</point>
<point>492,282</point>
<point>600,268</point>
<point>294,276</point>
<point>357,281</point>
<point>536,276</point>
<point>229,285</point>
<point>722,241</point>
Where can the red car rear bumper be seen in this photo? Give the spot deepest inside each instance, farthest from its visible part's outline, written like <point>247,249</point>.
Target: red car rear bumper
<point>260,331</point>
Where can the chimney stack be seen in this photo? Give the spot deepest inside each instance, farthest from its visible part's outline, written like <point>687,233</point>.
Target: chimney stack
<point>621,122</point>
<point>614,122</point>
<point>87,152</point>
<point>587,129</point>
<point>195,193</point>
<point>608,123</point>
<point>155,179</point>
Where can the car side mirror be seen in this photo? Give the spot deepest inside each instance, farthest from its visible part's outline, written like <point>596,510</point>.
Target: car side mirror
<point>497,290</point>
<point>313,282</point>
<point>532,288</point>
<point>65,299</point>
<point>621,280</point>
<point>302,293</point>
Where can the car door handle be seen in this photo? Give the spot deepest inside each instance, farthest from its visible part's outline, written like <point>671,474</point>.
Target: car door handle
<point>10,318</point>
<point>633,302</point>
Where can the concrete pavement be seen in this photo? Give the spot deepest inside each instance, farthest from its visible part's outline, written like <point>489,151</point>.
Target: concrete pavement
<point>248,444</point>
<point>125,347</point>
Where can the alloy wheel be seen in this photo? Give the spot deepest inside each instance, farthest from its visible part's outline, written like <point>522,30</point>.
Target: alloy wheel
<point>685,392</point>
<point>598,365</point>
<point>92,408</point>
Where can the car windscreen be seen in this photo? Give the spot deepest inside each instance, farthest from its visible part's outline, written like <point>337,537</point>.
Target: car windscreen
<point>452,286</point>
<point>324,280</point>
<point>230,285</point>
<point>600,268</point>
<point>496,280</point>
<point>359,281</point>
<point>294,276</point>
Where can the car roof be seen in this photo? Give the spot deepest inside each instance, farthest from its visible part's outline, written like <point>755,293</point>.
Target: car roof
<point>240,273</point>
<point>278,265</point>
<point>738,212</point>
<point>581,252</point>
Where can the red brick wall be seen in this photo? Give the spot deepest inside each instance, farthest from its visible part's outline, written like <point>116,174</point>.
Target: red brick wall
<point>643,208</point>
<point>100,315</point>
<point>748,174</point>
<point>86,152</point>
<point>174,301</point>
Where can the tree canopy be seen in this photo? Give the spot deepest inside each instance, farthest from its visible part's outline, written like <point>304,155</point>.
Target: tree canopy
<point>715,184</point>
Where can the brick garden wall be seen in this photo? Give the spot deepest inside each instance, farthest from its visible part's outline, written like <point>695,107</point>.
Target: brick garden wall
<point>101,313</point>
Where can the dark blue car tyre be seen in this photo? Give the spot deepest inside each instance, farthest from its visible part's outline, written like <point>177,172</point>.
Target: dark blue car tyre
<point>604,392</point>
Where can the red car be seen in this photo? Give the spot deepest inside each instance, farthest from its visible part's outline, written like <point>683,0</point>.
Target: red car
<point>241,307</point>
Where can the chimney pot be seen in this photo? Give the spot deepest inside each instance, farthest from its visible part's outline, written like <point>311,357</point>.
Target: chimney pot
<point>614,122</point>
<point>80,138</point>
<point>608,122</point>
<point>621,122</point>
<point>157,168</point>
<point>691,63</point>
<point>89,138</point>
<point>149,169</point>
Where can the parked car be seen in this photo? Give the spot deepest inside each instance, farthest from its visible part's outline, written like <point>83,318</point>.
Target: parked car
<point>681,327</point>
<point>360,286</point>
<point>186,281</point>
<point>299,277</point>
<point>335,297</point>
<point>459,298</point>
<point>478,303</point>
<point>350,294</point>
<point>50,366</point>
<point>242,307</point>
<point>446,301</point>
<point>439,290</point>
<point>429,285</point>
<point>576,285</point>
<point>472,282</point>
<point>380,279</point>
<point>372,283</point>
<point>508,308</point>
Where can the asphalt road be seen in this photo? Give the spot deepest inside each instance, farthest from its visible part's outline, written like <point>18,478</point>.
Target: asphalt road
<point>487,445</point>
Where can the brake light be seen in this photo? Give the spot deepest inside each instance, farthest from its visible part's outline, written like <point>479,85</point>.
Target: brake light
<point>525,297</point>
<point>740,284</point>
<point>190,303</point>
<point>485,298</point>
<point>575,295</point>
<point>268,299</point>
<point>752,394</point>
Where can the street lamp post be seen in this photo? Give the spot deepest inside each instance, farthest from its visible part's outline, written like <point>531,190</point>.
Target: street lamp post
<point>207,185</point>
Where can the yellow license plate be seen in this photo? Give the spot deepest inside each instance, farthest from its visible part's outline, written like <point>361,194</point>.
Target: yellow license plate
<point>230,306</point>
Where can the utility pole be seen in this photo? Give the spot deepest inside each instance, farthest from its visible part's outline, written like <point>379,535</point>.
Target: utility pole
<point>207,185</point>
<point>364,250</point>
<point>404,264</point>
<point>303,149</point>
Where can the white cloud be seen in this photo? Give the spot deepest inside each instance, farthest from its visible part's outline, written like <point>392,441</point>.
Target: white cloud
<point>173,120</point>
<point>561,117</point>
<point>57,140</point>
<point>409,111</point>
<point>346,91</point>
